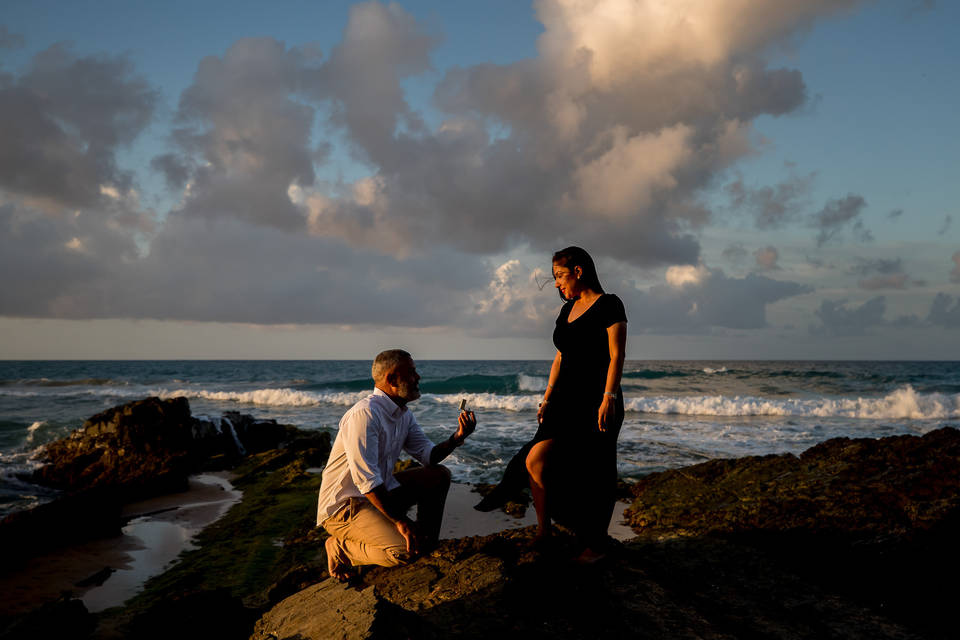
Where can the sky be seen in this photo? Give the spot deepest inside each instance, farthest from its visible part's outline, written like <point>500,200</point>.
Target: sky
<point>755,179</point>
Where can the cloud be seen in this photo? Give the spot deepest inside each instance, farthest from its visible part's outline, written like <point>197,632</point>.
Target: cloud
<point>382,45</point>
<point>955,273</point>
<point>896,213</point>
<point>223,269</point>
<point>606,138</point>
<point>947,223</point>
<point>513,303</point>
<point>735,253</point>
<point>889,281</point>
<point>245,137</point>
<point>865,266</point>
<point>880,273</point>
<point>65,265</point>
<point>62,122</point>
<point>772,207</point>
<point>9,40</point>
<point>836,319</point>
<point>628,175</point>
<point>679,277</point>
<point>838,214</point>
<point>944,312</point>
<point>698,299</point>
<point>767,259</point>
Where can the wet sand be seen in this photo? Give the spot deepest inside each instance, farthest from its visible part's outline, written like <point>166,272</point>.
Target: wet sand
<point>460,519</point>
<point>105,573</point>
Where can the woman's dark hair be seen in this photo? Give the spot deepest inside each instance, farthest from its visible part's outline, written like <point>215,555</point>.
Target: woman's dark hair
<point>576,257</point>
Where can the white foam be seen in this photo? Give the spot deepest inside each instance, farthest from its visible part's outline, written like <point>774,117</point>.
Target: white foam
<point>32,430</point>
<point>903,403</point>
<point>531,383</point>
<point>488,401</point>
<point>709,370</point>
<point>267,397</point>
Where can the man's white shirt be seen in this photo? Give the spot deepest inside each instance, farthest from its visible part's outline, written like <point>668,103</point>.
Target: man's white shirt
<point>372,434</point>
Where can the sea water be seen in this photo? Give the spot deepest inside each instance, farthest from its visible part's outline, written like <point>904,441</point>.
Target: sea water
<point>678,412</point>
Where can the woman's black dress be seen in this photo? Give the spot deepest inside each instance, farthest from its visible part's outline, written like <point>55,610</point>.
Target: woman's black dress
<point>584,347</point>
<point>582,470</point>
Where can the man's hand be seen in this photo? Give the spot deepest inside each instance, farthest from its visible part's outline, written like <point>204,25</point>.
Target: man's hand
<point>409,532</point>
<point>466,422</point>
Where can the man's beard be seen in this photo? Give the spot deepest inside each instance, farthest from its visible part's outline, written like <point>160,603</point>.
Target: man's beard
<point>408,391</point>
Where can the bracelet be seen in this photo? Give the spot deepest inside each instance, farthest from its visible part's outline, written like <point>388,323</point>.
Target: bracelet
<point>549,386</point>
<point>610,395</point>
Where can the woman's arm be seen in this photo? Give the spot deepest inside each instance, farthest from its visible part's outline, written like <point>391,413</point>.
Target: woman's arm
<point>617,339</point>
<point>552,380</point>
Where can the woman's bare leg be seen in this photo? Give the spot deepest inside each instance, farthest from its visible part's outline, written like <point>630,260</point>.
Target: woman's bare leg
<point>536,465</point>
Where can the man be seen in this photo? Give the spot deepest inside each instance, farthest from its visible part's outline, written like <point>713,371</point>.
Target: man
<point>363,504</point>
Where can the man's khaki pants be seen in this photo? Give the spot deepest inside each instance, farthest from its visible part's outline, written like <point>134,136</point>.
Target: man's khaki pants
<point>363,535</point>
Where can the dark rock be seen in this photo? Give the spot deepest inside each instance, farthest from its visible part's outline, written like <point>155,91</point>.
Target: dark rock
<point>495,586</point>
<point>875,521</point>
<point>151,446</point>
<point>97,578</point>
<point>864,487</point>
<point>135,451</point>
<point>257,435</point>
<point>69,519</point>
<point>852,539</point>
<point>201,616</point>
<point>64,619</point>
<point>139,449</point>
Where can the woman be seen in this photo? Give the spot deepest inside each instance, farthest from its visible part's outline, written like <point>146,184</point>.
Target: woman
<point>582,408</point>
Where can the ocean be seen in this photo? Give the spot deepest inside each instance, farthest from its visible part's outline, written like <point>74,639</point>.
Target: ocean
<point>678,412</point>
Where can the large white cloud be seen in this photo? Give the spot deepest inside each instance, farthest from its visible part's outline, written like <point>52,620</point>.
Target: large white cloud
<point>613,130</point>
<point>607,138</point>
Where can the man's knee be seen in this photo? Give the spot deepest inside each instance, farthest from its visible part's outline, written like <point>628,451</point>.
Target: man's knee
<point>438,475</point>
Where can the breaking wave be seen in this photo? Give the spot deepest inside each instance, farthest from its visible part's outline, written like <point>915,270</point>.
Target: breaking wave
<point>903,403</point>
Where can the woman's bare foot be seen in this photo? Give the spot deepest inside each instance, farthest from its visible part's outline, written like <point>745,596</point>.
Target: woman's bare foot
<point>542,540</point>
<point>589,557</point>
<point>337,566</point>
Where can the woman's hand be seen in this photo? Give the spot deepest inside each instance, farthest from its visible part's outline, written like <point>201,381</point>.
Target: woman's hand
<point>607,413</point>
<point>540,409</point>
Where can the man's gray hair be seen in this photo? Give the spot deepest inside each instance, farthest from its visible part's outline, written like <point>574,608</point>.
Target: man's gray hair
<point>387,361</point>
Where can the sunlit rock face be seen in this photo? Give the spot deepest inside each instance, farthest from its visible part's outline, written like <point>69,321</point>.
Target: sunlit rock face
<point>149,447</point>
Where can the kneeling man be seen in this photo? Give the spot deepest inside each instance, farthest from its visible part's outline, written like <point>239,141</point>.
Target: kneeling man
<point>363,504</point>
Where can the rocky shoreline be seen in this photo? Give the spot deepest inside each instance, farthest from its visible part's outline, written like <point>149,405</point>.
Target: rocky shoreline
<point>851,539</point>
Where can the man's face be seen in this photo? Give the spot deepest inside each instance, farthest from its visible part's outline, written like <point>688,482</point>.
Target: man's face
<point>407,380</point>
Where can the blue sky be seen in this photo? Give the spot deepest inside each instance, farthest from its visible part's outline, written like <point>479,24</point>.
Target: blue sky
<point>325,179</point>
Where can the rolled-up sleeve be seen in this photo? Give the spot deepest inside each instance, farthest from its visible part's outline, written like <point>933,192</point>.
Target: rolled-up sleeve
<point>362,448</point>
<point>417,444</point>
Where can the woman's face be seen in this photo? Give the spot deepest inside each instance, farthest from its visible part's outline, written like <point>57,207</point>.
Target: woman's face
<point>566,280</point>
